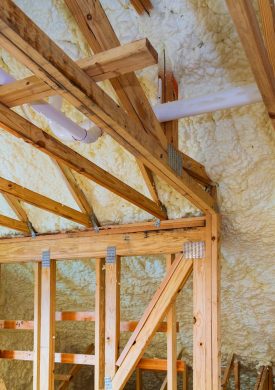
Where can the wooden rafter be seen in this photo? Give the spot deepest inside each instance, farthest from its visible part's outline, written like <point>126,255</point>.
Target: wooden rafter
<point>43,202</point>
<point>268,26</point>
<point>101,36</point>
<point>23,39</point>
<point>142,6</point>
<point>47,144</point>
<point>246,22</point>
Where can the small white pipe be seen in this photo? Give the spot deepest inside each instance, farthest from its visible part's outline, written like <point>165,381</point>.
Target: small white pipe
<point>68,130</point>
<point>235,97</point>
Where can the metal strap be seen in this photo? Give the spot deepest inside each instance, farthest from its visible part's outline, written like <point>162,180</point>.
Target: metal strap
<point>111,255</point>
<point>31,229</point>
<point>46,259</point>
<point>175,159</point>
<point>194,250</point>
<point>108,383</point>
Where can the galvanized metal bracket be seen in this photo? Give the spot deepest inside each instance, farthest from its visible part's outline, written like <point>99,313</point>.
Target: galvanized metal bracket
<point>175,159</point>
<point>111,255</point>
<point>94,222</point>
<point>108,383</point>
<point>46,259</point>
<point>157,223</point>
<point>194,250</point>
<point>32,231</point>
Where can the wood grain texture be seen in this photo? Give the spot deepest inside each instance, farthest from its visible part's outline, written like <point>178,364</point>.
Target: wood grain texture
<point>94,245</point>
<point>42,202</point>
<point>14,224</point>
<point>246,23</point>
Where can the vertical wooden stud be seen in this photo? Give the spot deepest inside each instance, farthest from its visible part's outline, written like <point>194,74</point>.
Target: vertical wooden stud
<point>112,319</point>
<point>171,339</point>
<point>237,375</point>
<point>138,379</point>
<point>100,325</point>
<point>206,331</point>
<point>47,331</point>
<point>36,325</point>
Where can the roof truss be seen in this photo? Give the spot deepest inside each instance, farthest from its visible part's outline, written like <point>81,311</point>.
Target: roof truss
<point>136,128</point>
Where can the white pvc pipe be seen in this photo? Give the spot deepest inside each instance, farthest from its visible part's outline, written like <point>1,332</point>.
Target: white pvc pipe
<point>68,130</point>
<point>235,97</point>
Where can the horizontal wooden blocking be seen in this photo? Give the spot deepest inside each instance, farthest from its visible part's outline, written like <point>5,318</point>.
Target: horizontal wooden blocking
<point>108,64</point>
<point>159,365</point>
<point>64,358</point>
<point>156,310</point>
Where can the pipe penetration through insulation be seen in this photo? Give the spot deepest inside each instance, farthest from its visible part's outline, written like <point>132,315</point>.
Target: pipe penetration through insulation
<point>68,130</point>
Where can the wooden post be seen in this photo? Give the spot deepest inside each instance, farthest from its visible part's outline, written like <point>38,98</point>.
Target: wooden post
<point>36,326</point>
<point>171,339</point>
<point>206,331</point>
<point>47,330</point>
<point>138,379</point>
<point>237,375</point>
<point>100,325</point>
<point>112,321</point>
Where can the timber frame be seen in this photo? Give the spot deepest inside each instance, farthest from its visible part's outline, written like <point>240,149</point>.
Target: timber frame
<point>132,123</point>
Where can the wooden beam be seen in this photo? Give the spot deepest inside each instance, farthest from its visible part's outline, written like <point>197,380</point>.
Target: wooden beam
<point>138,379</point>
<point>18,209</point>
<point>42,202</point>
<point>64,358</point>
<point>101,36</point>
<point>237,375</point>
<point>74,370</point>
<point>47,331</point>
<point>99,372</point>
<point>170,93</point>
<point>120,60</point>
<point>112,310</point>
<point>227,372</point>
<point>125,326</point>
<point>156,310</point>
<point>142,6</point>
<point>90,244</point>
<point>206,306</point>
<point>36,325</point>
<point>267,19</point>
<point>171,338</point>
<point>101,66</point>
<point>47,144</point>
<point>78,194</point>
<point>159,365</point>
<point>247,26</point>
<point>14,224</point>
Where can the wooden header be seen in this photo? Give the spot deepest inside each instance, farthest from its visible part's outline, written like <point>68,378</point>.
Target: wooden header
<point>169,237</point>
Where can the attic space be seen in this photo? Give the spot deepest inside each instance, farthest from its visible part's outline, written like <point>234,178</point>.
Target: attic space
<point>137,194</point>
